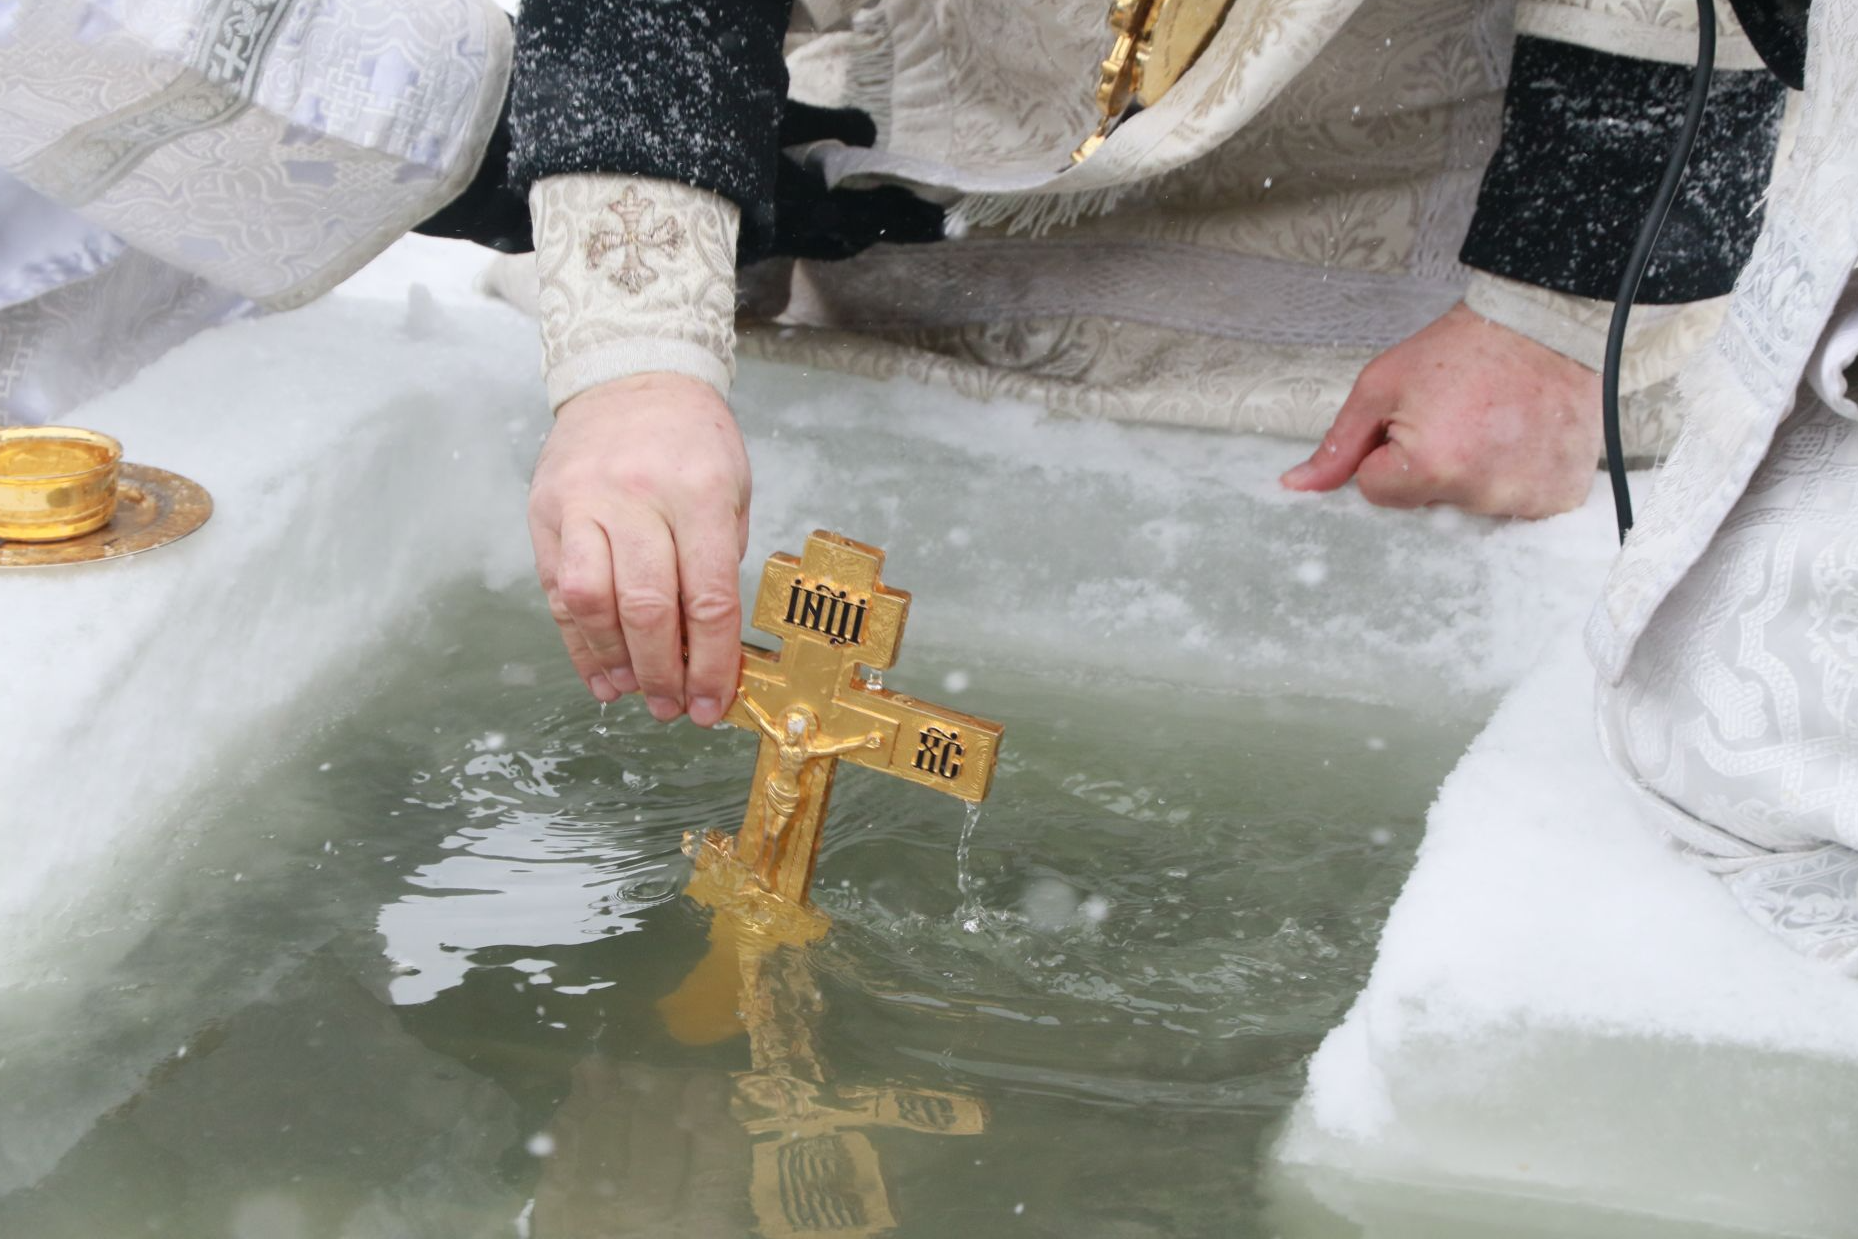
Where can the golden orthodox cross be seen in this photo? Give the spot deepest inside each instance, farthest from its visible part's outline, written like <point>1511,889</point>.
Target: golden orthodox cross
<point>813,708</point>
<point>632,240</point>
<point>815,1172</point>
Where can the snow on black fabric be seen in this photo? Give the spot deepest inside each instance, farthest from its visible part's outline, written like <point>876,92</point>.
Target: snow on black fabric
<point>1585,138</point>
<point>682,90</point>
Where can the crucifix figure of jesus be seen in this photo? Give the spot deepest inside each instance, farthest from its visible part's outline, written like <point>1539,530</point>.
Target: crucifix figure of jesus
<point>796,737</point>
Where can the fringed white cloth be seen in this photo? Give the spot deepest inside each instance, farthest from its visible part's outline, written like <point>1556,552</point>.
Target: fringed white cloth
<point>81,311</point>
<point>985,100</point>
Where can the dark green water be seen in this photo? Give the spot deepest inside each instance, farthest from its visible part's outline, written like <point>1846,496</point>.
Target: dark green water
<point>401,982</point>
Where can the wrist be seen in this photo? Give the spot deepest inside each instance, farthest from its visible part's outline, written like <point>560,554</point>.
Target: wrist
<point>644,360</point>
<point>658,388</point>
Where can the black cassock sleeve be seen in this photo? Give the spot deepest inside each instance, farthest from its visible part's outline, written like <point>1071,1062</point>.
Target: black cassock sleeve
<point>1585,138</point>
<point>682,90</point>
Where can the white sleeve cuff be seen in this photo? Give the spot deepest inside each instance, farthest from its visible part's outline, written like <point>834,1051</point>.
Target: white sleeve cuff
<point>634,276</point>
<point>1573,326</point>
<point>1660,339</point>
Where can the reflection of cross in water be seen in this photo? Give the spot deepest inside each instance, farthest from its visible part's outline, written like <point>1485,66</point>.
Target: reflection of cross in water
<point>812,708</point>
<point>634,237</point>
<point>814,1171</point>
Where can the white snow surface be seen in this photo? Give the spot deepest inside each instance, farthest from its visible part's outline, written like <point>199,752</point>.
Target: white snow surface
<point>1564,1007</point>
<point>354,452</point>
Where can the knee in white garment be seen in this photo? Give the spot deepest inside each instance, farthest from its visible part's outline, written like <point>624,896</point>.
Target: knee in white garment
<point>1738,713</point>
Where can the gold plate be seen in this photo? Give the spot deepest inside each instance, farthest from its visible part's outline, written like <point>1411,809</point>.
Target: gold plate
<point>153,508</point>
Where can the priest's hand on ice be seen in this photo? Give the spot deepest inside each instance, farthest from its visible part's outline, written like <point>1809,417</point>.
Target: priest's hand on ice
<point>639,515</point>
<point>1465,413</point>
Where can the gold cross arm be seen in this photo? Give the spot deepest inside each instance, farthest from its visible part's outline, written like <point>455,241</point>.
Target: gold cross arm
<point>770,1104</point>
<point>926,744</point>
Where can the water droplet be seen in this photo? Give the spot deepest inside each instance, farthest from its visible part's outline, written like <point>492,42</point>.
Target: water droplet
<point>964,883</point>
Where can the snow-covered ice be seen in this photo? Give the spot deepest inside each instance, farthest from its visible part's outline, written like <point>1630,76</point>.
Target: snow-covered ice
<point>1564,1008</point>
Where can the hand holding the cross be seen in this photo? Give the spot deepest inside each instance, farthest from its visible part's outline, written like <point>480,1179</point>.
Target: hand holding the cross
<point>639,516</point>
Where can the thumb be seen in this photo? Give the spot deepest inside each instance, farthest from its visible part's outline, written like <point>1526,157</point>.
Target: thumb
<point>1358,429</point>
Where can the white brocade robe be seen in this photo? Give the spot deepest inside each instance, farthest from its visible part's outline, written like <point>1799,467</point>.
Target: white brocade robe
<point>1727,635</point>
<point>1230,256</point>
<point>177,160</point>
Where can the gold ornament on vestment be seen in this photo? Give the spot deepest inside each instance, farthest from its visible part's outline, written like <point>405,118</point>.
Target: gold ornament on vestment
<point>1154,43</point>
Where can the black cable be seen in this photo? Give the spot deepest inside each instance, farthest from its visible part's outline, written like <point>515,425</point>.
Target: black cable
<point>1642,256</point>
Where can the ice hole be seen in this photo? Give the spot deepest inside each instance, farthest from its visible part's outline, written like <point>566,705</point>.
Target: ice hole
<point>1177,1001</point>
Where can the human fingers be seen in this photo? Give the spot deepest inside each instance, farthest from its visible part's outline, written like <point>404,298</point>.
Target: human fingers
<point>547,544</point>
<point>585,581</point>
<point>1359,429</point>
<point>645,579</point>
<point>1396,476</point>
<point>708,589</point>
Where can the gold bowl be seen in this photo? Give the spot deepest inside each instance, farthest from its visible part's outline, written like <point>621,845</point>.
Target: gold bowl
<point>56,482</point>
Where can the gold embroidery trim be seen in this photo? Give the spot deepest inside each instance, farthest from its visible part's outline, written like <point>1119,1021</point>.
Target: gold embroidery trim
<point>639,233</point>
